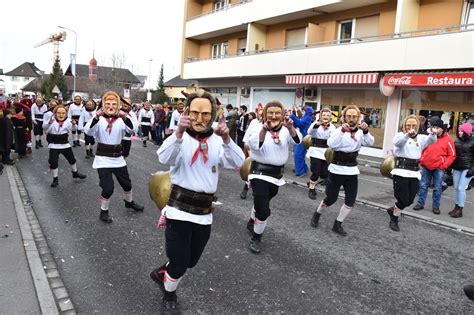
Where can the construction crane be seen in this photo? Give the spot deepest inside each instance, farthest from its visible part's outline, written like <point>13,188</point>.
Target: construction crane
<point>55,39</point>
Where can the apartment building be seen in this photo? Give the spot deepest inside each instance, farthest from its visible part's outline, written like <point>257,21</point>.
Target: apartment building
<point>390,57</point>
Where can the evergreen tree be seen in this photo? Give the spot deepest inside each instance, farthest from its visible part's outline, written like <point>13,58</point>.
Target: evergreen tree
<point>55,78</point>
<point>159,95</point>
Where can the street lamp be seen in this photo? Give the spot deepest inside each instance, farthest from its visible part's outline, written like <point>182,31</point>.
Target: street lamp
<point>75,58</point>
<point>149,81</point>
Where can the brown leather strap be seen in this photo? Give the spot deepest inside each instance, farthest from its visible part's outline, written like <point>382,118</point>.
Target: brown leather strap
<point>191,201</point>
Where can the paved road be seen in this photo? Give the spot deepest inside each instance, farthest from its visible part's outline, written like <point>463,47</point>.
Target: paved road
<point>301,270</point>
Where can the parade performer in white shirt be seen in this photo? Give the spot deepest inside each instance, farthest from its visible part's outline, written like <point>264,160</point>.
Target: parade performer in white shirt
<point>407,148</point>
<point>173,124</point>
<point>57,129</point>
<point>346,142</point>
<point>146,119</point>
<point>74,113</point>
<point>37,112</point>
<point>87,114</point>
<point>320,131</point>
<point>127,139</point>
<point>269,149</point>
<point>196,154</point>
<point>108,127</point>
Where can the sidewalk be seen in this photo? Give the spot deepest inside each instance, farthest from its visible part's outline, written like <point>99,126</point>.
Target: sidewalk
<point>377,191</point>
<point>24,287</point>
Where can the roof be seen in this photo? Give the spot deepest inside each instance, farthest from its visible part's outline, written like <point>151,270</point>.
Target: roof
<point>142,78</point>
<point>107,74</point>
<point>27,69</point>
<point>178,82</point>
<point>82,84</point>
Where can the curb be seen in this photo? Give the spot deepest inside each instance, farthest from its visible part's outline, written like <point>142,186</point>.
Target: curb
<point>449,225</point>
<point>50,290</point>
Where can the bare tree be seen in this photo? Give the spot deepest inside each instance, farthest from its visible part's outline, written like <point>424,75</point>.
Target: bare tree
<point>118,60</point>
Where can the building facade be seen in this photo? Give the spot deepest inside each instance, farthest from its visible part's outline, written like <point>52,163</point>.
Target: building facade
<point>390,57</point>
<point>16,79</point>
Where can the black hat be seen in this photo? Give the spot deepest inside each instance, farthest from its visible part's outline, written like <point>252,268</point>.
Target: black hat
<point>435,121</point>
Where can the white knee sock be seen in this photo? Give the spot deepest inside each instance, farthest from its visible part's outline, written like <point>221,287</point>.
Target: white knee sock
<point>321,207</point>
<point>38,137</point>
<point>128,196</point>
<point>171,284</point>
<point>343,213</point>
<point>312,185</point>
<point>88,147</point>
<point>259,226</point>
<point>55,172</point>
<point>74,167</point>
<point>104,204</point>
<point>397,212</point>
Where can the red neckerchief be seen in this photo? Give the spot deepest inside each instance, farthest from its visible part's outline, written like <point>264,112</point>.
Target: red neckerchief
<point>325,126</point>
<point>202,147</point>
<point>110,121</point>
<point>275,136</point>
<point>60,124</point>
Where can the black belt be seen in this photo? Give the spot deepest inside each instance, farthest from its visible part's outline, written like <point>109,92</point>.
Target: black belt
<point>146,119</point>
<point>345,158</point>
<point>128,134</point>
<point>75,117</point>
<point>190,201</point>
<point>57,139</point>
<point>109,150</point>
<point>407,164</point>
<point>266,169</point>
<point>39,116</point>
<point>319,143</point>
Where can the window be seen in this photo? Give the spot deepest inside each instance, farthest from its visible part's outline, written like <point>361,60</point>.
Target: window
<point>220,4</point>
<point>14,78</point>
<point>346,30</point>
<point>220,50</point>
<point>295,37</point>
<point>470,13</point>
<point>26,79</point>
<point>242,46</point>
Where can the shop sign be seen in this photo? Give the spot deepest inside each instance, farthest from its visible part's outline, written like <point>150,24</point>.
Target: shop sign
<point>430,79</point>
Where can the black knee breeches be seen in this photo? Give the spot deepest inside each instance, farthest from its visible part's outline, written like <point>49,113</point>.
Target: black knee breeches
<point>335,181</point>
<point>185,242</point>
<point>38,129</point>
<point>263,192</point>
<point>319,168</point>
<point>106,181</point>
<point>405,190</point>
<point>54,157</point>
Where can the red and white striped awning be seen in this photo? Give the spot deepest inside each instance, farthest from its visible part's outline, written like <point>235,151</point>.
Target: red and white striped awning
<point>338,78</point>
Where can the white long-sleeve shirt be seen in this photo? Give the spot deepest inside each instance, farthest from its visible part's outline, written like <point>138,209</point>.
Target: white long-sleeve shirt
<point>146,114</point>
<point>270,152</point>
<point>55,129</point>
<point>74,110</point>
<point>37,113</point>
<point>406,147</point>
<point>199,176</point>
<point>85,117</point>
<point>343,141</point>
<point>131,115</point>
<point>101,134</point>
<point>319,133</point>
<point>174,120</point>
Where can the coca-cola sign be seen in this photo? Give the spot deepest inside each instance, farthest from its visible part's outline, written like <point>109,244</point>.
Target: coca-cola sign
<point>430,79</point>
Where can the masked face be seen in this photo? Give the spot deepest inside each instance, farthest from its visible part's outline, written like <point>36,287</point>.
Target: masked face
<point>200,112</point>
<point>90,105</point>
<point>147,106</point>
<point>77,100</point>
<point>111,106</point>
<point>52,104</point>
<point>39,101</point>
<point>325,117</point>
<point>351,117</point>
<point>180,108</point>
<point>411,124</point>
<point>274,116</point>
<point>61,114</point>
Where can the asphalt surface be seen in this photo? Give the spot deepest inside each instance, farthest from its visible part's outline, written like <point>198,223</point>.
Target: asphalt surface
<point>301,270</point>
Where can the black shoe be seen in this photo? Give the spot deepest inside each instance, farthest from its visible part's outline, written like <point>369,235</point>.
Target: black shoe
<point>37,145</point>
<point>315,219</point>
<point>158,275</point>
<point>78,143</point>
<point>418,207</point>
<point>87,154</point>
<point>144,144</point>
<point>250,225</point>
<point>444,187</point>
<point>170,303</point>
<point>104,216</point>
<point>393,220</point>
<point>40,144</point>
<point>10,162</point>
<point>312,194</point>
<point>55,182</point>
<point>338,228</point>
<point>469,291</point>
<point>74,144</point>
<point>133,205</point>
<point>436,211</point>
<point>91,154</point>
<point>78,175</point>
<point>254,244</point>
<point>243,194</point>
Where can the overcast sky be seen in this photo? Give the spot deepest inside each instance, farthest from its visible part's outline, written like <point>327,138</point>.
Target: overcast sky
<point>140,30</point>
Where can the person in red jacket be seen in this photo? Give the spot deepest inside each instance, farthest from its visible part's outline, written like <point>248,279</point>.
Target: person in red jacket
<point>434,160</point>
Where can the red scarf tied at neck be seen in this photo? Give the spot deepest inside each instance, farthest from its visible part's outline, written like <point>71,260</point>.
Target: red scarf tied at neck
<point>110,121</point>
<point>202,147</point>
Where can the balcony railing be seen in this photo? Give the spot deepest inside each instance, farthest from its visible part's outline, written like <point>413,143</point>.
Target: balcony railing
<point>348,41</point>
<point>225,8</point>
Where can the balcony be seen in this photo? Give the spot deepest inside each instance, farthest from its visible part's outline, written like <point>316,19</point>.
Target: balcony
<point>235,18</point>
<point>443,48</point>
